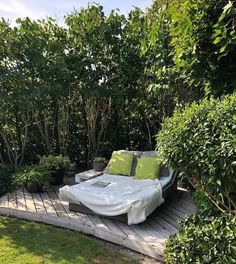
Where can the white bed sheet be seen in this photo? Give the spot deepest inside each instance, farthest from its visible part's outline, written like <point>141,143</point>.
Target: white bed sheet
<point>137,198</point>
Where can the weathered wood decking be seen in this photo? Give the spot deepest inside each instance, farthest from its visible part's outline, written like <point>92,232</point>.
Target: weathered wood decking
<point>147,238</point>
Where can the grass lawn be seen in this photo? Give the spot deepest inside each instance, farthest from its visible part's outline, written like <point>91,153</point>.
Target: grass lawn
<point>24,242</point>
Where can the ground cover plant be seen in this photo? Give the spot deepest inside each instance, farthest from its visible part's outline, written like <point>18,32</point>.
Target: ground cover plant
<point>25,242</point>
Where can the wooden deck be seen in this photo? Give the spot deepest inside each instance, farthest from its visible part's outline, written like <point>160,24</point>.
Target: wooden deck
<point>147,238</point>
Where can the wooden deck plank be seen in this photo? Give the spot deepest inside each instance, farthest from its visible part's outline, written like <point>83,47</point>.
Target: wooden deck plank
<point>98,222</point>
<point>128,231</point>
<point>29,201</point>
<point>168,217</point>
<point>162,230</point>
<point>65,205</point>
<point>71,214</point>
<point>185,197</point>
<point>182,203</point>
<point>147,238</point>
<point>39,203</point>
<point>154,231</point>
<point>57,205</point>
<point>21,204</point>
<point>48,204</point>
<point>165,224</point>
<point>4,201</point>
<point>175,211</point>
<point>12,202</point>
<point>146,234</point>
<point>85,219</point>
<point>180,207</point>
<point>113,227</point>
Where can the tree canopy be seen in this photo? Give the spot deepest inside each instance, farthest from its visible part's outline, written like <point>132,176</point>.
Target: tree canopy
<point>105,82</point>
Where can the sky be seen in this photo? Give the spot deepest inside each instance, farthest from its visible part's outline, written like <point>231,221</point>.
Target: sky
<point>36,9</point>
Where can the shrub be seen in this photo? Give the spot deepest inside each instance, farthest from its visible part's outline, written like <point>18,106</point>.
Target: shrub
<point>99,159</point>
<point>32,175</point>
<point>6,180</point>
<point>200,142</point>
<point>203,240</point>
<point>55,162</point>
<point>204,205</point>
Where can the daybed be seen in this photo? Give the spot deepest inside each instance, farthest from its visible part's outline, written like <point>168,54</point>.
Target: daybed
<point>124,198</point>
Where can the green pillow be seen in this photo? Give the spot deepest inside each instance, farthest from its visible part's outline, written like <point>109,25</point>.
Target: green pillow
<point>120,163</point>
<point>148,168</point>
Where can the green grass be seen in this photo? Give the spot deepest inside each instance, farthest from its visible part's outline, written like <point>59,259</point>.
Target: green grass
<point>24,242</point>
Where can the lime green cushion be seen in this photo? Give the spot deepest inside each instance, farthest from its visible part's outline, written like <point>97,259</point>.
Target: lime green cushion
<point>148,168</point>
<point>120,163</point>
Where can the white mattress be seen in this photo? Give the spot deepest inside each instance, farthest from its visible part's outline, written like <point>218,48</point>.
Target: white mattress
<point>137,198</point>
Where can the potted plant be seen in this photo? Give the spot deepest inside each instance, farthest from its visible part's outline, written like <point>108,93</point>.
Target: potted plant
<point>99,163</point>
<point>33,178</point>
<point>58,165</point>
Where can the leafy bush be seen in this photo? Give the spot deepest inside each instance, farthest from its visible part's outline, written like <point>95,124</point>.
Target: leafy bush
<point>202,36</point>
<point>5,180</point>
<point>55,162</point>
<point>32,174</point>
<point>204,240</point>
<point>99,159</point>
<point>204,205</point>
<point>200,142</point>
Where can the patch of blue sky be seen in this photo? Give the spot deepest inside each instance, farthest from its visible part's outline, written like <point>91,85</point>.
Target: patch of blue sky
<point>35,9</point>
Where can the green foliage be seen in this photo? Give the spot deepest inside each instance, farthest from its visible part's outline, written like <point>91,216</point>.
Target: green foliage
<point>95,45</point>
<point>32,174</point>
<point>204,205</point>
<point>157,50</point>
<point>190,47</point>
<point>224,33</point>
<point>132,70</point>
<point>50,77</point>
<point>197,26</point>
<point>203,240</point>
<point>200,142</point>
<point>33,80</point>
<point>208,236</point>
<point>6,183</point>
<point>99,159</point>
<point>55,162</point>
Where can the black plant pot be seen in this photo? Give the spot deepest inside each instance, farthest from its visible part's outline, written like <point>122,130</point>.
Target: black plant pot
<point>98,166</point>
<point>34,188</point>
<point>57,177</point>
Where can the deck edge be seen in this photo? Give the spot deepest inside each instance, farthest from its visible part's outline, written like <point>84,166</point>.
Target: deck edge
<point>138,246</point>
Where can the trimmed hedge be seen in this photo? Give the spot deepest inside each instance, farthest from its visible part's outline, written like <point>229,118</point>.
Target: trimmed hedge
<point>204,240</point>
<point>200,142</point>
